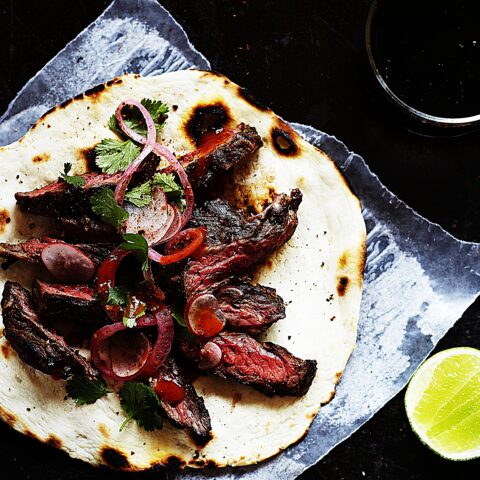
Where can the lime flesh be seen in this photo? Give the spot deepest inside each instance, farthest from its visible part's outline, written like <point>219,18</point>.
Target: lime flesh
<point>443,403</point>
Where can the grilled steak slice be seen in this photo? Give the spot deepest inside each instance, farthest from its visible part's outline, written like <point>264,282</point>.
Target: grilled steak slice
<point>75,303</point>
<point>191,413</point>
<point>236,242</point>
<point>267,367</point>
<point>35,344</point>
<point>218,152</point>
<point>59,199</point>
<point>86,229</point>
<point>250,308</point>
<point>31,250</point>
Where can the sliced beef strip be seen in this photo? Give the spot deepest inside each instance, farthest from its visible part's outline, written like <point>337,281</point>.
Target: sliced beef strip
<point>267,367</point>
<point>218,152</point>
<point>34,342</point>
<point>236,241</point>
<point>58,199</point>
<point>191,413</point>
<point>31,250</point>
<point>76,303</point>
<point>249,308</point>
<point>86,228</point>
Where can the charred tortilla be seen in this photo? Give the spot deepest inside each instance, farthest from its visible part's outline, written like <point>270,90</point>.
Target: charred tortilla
<point>318,273</point>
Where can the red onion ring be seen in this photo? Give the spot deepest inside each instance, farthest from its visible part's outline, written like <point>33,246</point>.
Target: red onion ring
<point>182,175</point>
<point>158,352</point>
<point>148,277</point>
<point>154,220</point>
<point>148,143</point>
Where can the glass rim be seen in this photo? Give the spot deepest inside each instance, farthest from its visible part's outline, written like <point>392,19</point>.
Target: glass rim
<point>422,116</point>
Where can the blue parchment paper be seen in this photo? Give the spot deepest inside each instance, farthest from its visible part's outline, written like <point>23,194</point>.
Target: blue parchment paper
<point>418,279</point>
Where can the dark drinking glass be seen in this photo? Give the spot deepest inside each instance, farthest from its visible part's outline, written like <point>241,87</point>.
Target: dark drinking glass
<point>424,59</point>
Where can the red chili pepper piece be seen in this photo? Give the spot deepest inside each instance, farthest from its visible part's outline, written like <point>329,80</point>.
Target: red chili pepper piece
<point>183,245</point>
<point>169,391</point>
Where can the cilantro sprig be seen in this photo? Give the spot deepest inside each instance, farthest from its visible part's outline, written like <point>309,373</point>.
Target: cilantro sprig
<point>140,403</point>
<point>74,180</point>
<point>118,296</point>
<point>86,391</point>
<point>178,317</point>
<point>173,190</point>
<point>113,155</point>
<point>140,196</point>
<point>138,245</point>
<point>104,204</point>
<point>157,109</point>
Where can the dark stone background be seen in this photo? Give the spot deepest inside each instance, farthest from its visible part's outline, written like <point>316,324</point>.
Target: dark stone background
<point>304,59</point>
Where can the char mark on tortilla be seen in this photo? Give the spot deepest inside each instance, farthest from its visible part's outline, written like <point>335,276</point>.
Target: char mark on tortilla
<point>31,250</point>
<point>249,308</point>
<point>34,342</point>
<point>191,413</point>
<point>218,152</point>
<point>267,367</point>
<point>237,241</point>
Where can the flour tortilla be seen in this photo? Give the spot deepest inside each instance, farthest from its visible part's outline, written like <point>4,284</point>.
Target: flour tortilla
<point>318,273</point>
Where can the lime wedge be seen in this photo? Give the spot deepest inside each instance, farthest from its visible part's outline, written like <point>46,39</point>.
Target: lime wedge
<point>443,403</point>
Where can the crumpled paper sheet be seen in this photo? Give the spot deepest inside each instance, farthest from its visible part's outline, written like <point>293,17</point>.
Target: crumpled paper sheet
<point>418,278</point>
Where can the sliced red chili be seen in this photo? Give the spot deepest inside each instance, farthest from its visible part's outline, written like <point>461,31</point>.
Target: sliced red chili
<point>186,243</point>
<point>169,391</point>
<point>106,279</point>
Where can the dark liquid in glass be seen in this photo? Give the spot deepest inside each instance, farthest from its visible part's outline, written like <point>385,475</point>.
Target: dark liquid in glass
<point>428,52</point>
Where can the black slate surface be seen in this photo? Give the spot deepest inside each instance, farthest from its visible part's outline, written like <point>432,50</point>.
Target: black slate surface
<point>305,60</point>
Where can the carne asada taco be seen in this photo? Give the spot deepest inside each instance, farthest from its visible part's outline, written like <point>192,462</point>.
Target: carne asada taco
<point>182,276</point>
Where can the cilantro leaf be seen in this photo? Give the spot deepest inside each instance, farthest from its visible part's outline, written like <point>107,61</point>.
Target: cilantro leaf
<point>141,403</point>
<point>113,156</point>
<point>104,204</point>
<point>167,182</point>
<point>140,196</point>
<point>134,119</point>
<point>178,317</point>
<point>170,186</point>
<point>74,180</point>
<point>118,296</point>
<point>138,244</point>
<point>85,391</point>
